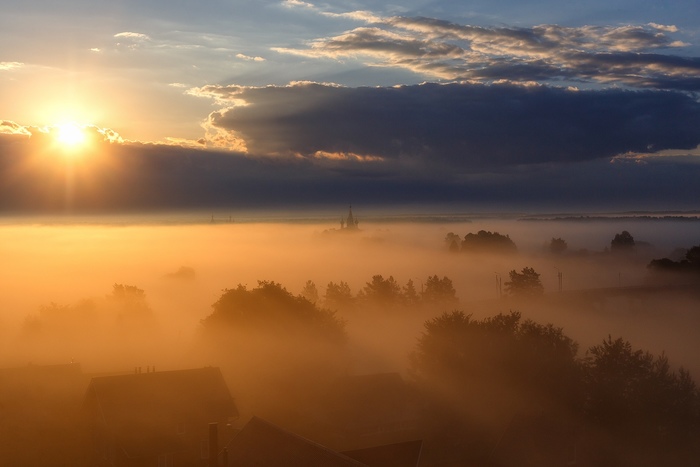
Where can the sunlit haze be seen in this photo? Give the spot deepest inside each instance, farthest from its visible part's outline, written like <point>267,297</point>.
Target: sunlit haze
<point>266,233</point>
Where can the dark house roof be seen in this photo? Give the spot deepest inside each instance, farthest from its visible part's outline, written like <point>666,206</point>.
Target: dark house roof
<point>405,454</point>
<point>262,444</point>
<point>166,396</point>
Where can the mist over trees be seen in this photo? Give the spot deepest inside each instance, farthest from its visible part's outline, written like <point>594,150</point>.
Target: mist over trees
<point>503,377</point>
<point>557,245</point>
<point>689,264</point>
<point>124,310</point>
<point>481,242</point>
<point>270,308</point>
<point>524,284</point>
<point>497,381</point>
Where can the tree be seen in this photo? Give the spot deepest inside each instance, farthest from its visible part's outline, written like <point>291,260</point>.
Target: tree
<point>486,241</point>
<point>382,291</point>
<point>474,360</point>
<point>524,284</point>
<point>338,295</point>
<point>693,257</point>
<point>271,309</point>
<point>131,307</point>
<point>557,246</point>
<point>310,292</point>
<point>623,241</point>
<point>280,348</point>
<point>634,390</point>
<point>410,295</point>
<point>452,242</point>
<point>690,263</point>
<point>439,291</point>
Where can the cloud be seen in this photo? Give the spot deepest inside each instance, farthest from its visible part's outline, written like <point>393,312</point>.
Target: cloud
<point>249,58</point>
<point>8,66</point>
<point>8,127</point>
<point>628,55</point>
<point>461,126</point>
<point>297,3</point>
<point>358,15</point>
<point>132,40</point>
<point>125,177</point>
<point>663,27</point>
<point>137,36</point>
<point>345,156</point>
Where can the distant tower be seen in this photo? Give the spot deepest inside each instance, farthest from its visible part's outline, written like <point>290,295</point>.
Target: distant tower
<point>352,222</point>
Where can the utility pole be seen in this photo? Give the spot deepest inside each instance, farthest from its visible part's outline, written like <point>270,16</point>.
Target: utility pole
<point>560,279</point>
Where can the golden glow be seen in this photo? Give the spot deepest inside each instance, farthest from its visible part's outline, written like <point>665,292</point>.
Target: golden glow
<point>71,135</point>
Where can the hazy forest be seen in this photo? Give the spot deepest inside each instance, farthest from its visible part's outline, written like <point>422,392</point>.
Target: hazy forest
<point>520,343</point>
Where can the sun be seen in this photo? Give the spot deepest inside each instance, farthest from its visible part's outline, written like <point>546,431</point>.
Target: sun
<point>71,135</point>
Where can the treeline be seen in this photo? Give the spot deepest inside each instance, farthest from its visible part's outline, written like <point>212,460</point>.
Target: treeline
<point>485,241</point>
<point>620,405</point>
<point>385,293</point>
<point>484,386</point>
<point>482,241</point>
<point>689,263</point>
<point>488,383</point>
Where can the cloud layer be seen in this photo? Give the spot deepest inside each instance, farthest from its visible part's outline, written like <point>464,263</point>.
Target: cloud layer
<point>629,55</point>
<point>460,125</point>
<point>117,176</point>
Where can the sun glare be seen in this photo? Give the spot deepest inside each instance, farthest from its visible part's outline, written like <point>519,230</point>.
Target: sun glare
<point>71,135</point>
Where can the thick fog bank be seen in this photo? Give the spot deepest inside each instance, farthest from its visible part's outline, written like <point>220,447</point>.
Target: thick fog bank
<point>183,269</point>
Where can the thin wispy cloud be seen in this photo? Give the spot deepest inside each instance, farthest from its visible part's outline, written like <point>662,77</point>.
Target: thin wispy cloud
<point>250,58</point>
<point>8,66</point>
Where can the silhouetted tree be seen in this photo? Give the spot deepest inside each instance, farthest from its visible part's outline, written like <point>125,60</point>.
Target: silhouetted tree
<point>382,291</point>
<point>452,242</point>
<point>622,241</point>
<point>534,364</point>
<point>125,309</point>
<point>410,295</point>
<point>338,295</point>
<point>270,308</point>
<point>690,263</point>
<point>558,246</point>
<point>310,292</point>
<point>439,291</point>
<point>524,284</point>
<point>693,257</point>
<point>632,390</point>
<point>488,242</point>
<point>132,309</point>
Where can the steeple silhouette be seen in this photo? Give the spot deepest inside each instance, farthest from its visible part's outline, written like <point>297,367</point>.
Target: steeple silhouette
<point>350,223</point>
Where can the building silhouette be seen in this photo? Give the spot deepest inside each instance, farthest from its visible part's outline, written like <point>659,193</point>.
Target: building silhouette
<point>349,223</point>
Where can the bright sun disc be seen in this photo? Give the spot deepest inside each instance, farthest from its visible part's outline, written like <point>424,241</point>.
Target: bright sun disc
<point>70,135</point>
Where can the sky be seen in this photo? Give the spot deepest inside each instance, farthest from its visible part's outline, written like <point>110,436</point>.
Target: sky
<point>154,105</point>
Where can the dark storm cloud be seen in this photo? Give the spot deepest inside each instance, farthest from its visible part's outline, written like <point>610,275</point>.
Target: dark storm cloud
<point>114,176</point>
<point>132,177</point>
<point>460,126</point>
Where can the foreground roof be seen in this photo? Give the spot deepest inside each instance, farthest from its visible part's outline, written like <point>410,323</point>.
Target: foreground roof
<point>263,444</point>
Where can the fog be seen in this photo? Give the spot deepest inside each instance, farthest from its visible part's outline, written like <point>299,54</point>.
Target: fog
<point>183,268</point>
<point>115,295</point>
